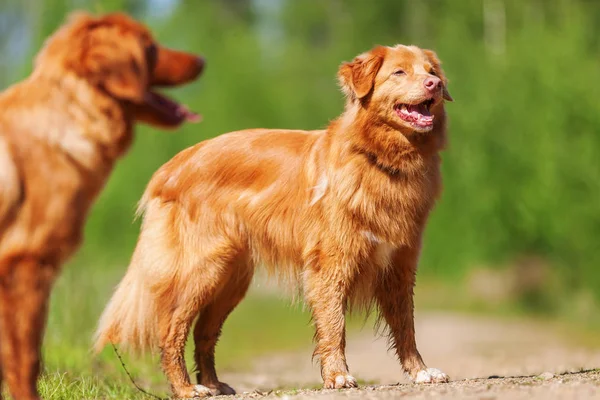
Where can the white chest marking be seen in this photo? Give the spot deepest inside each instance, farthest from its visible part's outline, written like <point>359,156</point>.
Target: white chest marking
<point>319,190</point>
<point>383,250</point>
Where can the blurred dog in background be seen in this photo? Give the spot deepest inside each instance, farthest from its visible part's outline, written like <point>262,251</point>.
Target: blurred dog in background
<point>341,210</point>
<point>61,131</point>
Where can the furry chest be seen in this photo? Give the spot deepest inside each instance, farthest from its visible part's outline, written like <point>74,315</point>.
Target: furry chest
<point>392,214</point>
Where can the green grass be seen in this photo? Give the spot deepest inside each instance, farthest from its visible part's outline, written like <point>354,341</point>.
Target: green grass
<point>262,324</point>
<point>66,386</point>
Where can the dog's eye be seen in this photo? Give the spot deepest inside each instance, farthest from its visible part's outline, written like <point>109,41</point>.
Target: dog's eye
<point>432,72</point>
<point>399,72</point>
<point>151,55</point>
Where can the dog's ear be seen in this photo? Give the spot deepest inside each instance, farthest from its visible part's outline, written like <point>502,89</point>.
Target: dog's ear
<point>357,78</point>
<point>436,64</point>
<point>127,75</point>
<point>111,58</point>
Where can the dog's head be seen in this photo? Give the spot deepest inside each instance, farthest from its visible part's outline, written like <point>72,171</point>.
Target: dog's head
<point>404,85</point>
<point>119,56</point>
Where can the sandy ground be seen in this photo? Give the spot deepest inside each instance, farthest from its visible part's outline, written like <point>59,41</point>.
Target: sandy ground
<point>486,359</point>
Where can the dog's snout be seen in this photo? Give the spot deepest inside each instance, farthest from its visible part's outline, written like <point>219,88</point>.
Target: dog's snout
<point>432,83</point>
<point>176,67</point>
<point>200,64</point>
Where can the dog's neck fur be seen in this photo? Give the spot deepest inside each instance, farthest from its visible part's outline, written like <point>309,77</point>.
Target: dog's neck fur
<point>66,112</point>
<point>364,146</point>
<point>389,148</point>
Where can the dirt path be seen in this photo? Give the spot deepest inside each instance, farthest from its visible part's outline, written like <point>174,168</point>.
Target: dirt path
<point>485,358</point>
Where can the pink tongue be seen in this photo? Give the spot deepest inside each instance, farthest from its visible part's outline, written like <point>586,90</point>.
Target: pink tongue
<point>416,109</point>
<point>189,115</point>
<point>417,114</point>
<point>193,117</point>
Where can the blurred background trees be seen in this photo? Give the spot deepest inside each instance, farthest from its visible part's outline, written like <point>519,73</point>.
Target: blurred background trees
<point>521,209</point>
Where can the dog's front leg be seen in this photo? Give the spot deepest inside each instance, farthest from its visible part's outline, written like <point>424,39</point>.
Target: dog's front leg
<point>395,298</point>
<point>326,289</point>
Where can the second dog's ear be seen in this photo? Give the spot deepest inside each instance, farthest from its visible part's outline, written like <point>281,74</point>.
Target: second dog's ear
<point>357,78</point>
<point>105,54</point>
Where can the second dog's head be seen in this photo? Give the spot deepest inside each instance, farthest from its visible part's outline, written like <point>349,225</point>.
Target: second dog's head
<point>119,56</point>
<point>403,85</point>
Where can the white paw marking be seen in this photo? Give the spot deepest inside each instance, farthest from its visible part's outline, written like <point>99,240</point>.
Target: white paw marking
<point>202,391</point>
<point>345,381</point>
<point>431,375</point>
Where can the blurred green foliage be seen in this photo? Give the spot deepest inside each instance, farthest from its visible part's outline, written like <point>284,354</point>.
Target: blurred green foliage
<point>521,177</point>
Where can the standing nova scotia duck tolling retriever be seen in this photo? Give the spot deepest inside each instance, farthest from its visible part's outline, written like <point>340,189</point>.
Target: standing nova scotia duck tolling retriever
<point>341,211</point>
<point>61,131</point>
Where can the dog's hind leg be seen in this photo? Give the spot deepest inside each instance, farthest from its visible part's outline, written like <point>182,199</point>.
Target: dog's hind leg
<point>180,302</point>
<point>210,321</point>
<point>24,291</point>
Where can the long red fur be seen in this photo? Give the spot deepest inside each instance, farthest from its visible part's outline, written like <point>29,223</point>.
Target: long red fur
<point>341,211</point>
<point>61,132</point>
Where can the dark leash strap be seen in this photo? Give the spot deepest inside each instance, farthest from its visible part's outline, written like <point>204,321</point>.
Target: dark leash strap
<point>131,377</point>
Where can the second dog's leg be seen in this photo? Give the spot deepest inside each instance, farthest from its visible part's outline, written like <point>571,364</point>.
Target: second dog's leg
<point>24,290</point>
<point>208,330</point>
<point>326,290</point>
<point>395,298</point>
<point>1,397</point>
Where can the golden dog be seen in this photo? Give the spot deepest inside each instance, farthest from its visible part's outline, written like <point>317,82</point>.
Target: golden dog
<point>341,210</point>
<point>61,132</point>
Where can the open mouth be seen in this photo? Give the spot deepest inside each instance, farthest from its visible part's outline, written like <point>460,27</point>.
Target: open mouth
<point>168,110</point>
<point>418,115</point>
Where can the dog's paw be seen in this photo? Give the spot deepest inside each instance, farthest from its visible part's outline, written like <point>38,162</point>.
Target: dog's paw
<point>431,375</point>
<point>221,389</point>
<point>193,392</point>
<point>340,381</point>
